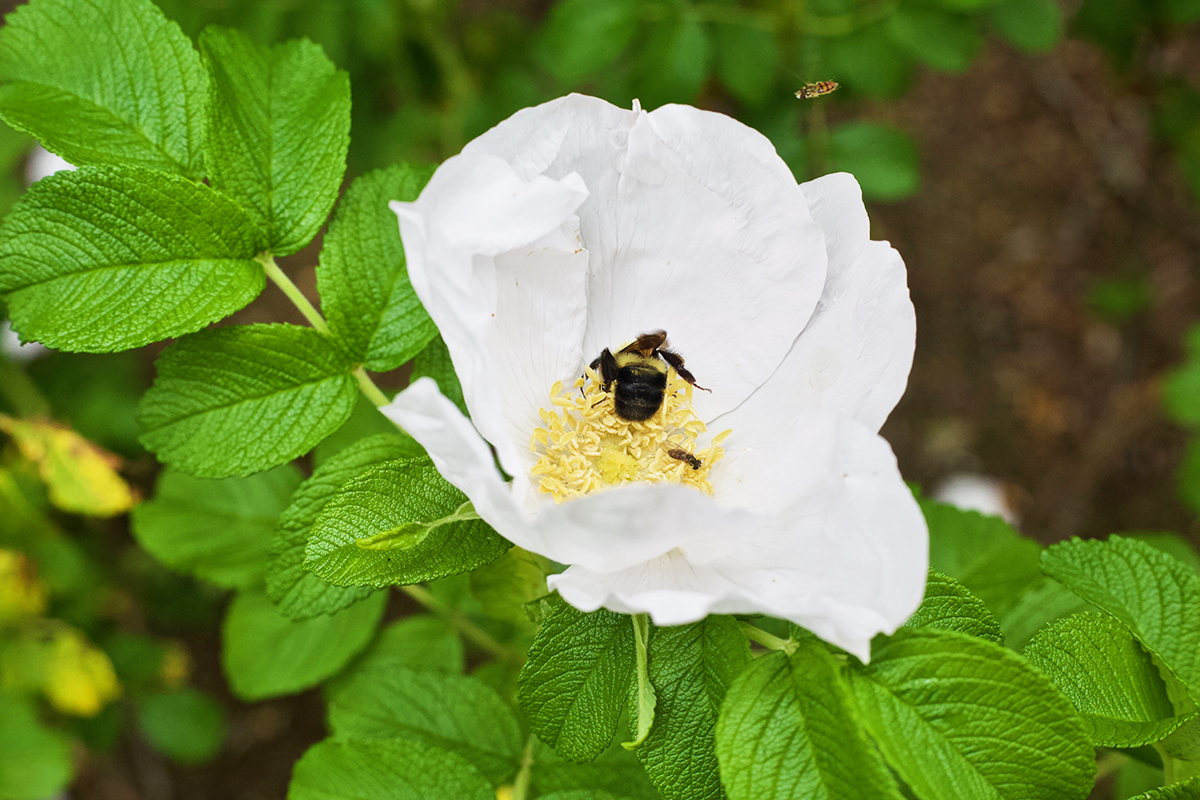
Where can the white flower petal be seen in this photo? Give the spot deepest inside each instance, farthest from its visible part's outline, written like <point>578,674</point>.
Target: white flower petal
<point>845,555</point>
<point>42,163</point>
<point>693,227</point>
<point>855,354</point>
<point>497,264</point>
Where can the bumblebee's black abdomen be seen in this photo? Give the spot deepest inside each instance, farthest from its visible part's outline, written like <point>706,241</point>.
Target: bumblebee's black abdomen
<point>639,391</point>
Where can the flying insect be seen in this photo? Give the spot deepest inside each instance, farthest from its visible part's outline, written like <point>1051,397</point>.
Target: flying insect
<point>638,375</point>
<point>811,90</point>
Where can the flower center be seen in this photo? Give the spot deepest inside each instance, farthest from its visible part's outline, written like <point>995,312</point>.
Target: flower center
<point>585,447</point>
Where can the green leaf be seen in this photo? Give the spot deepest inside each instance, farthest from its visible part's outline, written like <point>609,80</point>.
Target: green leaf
<point>948,606</point>
<point>1042,602</point>
<point>959,717</point>
<point>868,61</point>
<point>365,421</point>
<point>787,731</point>
<point>217,530</point>
<point>577,679</point>
<point>1099,666</point>
<point>434,362</point>
<point>691,667</point>
<point>1034,26</point>
<point>102,259</point>
<point>1181,394</point>
<point>299,593</point>
<point>982,553</point>
<point>452,712</point>
<point>279,128</point>
<point>616,772</point>
<point>944,41</point>
<point>673,63</point>
<point>385,770</point>
<point>1188,790</point>
<point>580,794</point>
<point>1155,595</point>
<point>104,82</point>
<point>581,37</point>
<point>363,278</point>
<point>1170,543</point>
<point>265,654</point>
<point>746,59</point>
<point>187,726</point>
<point>883,159</point>
<point>35,761</point>
<point>416,642</point>
<point>504,586</point>
<point>237,400</point>
<point>399,523</point>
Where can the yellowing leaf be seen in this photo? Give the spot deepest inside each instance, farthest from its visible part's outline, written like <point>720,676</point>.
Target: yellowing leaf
<point>79,677</point>
<point>81,477</point>
<point>21,593</point>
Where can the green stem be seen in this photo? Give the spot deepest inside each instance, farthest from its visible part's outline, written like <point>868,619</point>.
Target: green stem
<point>646,699</point>
<point>521,785</point>
<point>459,622</point>
<point>768,640</point>
<point>21,392</point>
<point>295,295</point>
<point>368,388</point>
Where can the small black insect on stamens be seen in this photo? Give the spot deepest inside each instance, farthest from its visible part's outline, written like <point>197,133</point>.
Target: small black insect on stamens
<point>638,375</point>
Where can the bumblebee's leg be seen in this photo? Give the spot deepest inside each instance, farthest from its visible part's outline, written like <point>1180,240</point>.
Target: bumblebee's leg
<point>608,367</point>
<point>676,362</point>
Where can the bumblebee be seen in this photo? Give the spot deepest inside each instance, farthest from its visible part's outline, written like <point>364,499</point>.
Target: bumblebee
<point>810,90</point>
<point>638,375</point>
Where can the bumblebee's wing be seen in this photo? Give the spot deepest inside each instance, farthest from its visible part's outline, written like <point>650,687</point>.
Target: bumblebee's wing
<point>647,343</point>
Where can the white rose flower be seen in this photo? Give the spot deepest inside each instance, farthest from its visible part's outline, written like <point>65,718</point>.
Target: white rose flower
<point>577,226</point>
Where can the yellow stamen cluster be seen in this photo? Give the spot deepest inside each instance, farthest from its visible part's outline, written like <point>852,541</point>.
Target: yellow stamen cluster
<point>585,447</point>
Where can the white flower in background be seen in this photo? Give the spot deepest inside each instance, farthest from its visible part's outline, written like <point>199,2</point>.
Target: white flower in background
<point>577,226</point>
<point>981,493</point>
<point>12,347</point>
<point>42,163</point>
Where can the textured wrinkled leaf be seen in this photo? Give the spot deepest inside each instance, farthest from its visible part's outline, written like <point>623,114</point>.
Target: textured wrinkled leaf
<point>104,82</point>
<point>299,593</point>
<point>187,726</point>
<point>787,731</point>
<point>1155,595</point>
<point>942,40</point>
<point>1187,790</point>
<point>279,128</point>
<point>434,362</point>
<point>362,276</point>
<point>577,679</point>
<point>237,400</point>
<point>982,553</point>
<point>399,523</point>
<point>35,760</point>
<point>453,712</point>
<point>581,37</point>
<point>691,668</point>
<point>1100,667</point>
<point>581,794</point>
<point>265,654</point>
<point>81,478</point>
<point>958,716</point>
<point>616,772</point>
<point>416,642</point>
<point>365,421</point>
<point>948,606</point>
<point>102,259</point>
<point>746,59</point>
<point>883,159</point>
<point>1034,26</point>
<point>218,530</point>
<point>1042,602</point>
<point>385,770</point>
